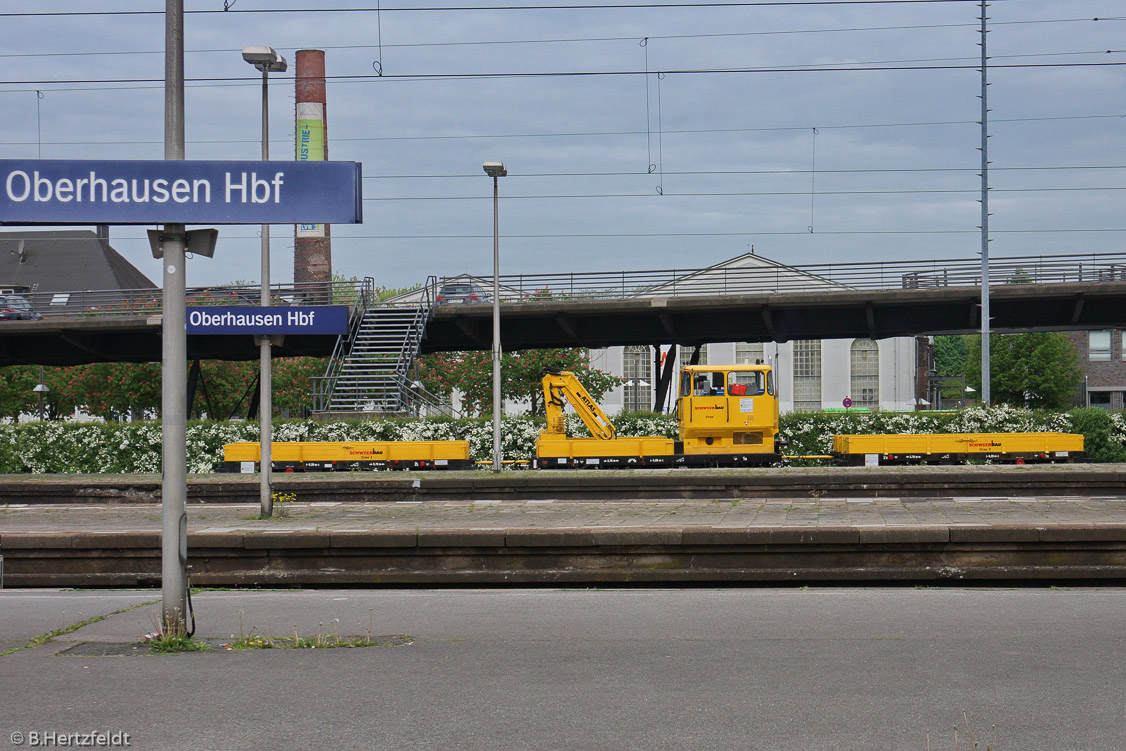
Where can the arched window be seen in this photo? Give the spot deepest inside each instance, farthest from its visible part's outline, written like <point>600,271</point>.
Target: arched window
<point>865,370</point>
<point>807,375</point>
<point>635,369</point>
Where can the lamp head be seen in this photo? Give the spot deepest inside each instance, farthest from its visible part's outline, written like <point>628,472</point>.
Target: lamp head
<point>495,169</point>
<point>264,58</point>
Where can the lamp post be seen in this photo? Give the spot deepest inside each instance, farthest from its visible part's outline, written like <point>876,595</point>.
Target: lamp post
<point>496,170</point>
<point>41,389</point>
<point>266,60</point>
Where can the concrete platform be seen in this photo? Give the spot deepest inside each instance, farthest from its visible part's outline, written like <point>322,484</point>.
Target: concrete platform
<point>598,485</point>
<point>496,541</point>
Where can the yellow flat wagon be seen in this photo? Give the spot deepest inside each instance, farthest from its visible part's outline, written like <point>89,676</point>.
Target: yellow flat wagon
<point>954,448</point>
<point>331,456</point>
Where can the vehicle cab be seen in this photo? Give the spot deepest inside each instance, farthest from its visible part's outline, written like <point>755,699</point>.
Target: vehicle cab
<point>725,409</point>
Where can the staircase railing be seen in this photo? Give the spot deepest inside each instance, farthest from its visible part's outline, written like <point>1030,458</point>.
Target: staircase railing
<point>417,399</point>
<point>412,343</point>
<point>321,387</point>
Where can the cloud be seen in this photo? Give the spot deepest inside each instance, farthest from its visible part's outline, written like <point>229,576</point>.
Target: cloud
<point>584,143</point>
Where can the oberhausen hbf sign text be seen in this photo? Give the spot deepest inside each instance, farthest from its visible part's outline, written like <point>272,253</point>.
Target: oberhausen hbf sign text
<point>321,319</point>
<point>184,192</point>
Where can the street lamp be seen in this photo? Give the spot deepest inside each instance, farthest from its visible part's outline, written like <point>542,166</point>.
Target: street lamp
<point>496,170</point>
<point>266,60</point>
<point>41,389</point>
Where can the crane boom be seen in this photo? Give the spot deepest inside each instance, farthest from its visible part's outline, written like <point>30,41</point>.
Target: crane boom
<point>561,387</point>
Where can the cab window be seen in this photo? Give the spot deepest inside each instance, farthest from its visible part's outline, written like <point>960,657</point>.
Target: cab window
<point>702,384</point>
<point>745,383</point>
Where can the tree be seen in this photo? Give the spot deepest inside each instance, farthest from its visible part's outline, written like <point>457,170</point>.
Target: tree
<point>110,390</point>
<point>950,355</point>
<point>225,383</point>
<point>1039,369</point>
<point>291,386</point>
<point>16,395</point>
<point>950,361</point>
<point>522,372</point>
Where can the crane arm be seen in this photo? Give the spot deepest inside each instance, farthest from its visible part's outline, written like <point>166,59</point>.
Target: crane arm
<point>562,387</point>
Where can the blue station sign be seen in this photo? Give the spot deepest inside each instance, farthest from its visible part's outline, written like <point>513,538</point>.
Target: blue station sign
<point>62,191</point>
<point>274,320</point>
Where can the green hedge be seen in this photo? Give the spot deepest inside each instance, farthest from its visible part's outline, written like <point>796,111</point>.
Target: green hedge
<point>58,447</point>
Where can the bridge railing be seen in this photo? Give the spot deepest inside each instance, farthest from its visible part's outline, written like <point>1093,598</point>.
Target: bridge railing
<point>754,275</point>
<point>144,302</point>
<point>760,276</point>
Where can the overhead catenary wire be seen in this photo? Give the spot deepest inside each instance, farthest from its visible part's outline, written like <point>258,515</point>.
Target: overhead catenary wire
<point>602,133</point>
<point>346,236</point>
<point>478,8</point>
<point>868,170</point>
<point>762,193</point>
<point>573,40</point>
<point>580,73</point>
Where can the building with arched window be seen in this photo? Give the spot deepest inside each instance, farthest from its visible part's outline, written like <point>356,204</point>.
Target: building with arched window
<point>811,374</point>
<point>864,364</point>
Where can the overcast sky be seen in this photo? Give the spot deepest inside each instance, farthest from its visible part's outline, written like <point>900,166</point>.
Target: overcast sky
<point>806,166</point>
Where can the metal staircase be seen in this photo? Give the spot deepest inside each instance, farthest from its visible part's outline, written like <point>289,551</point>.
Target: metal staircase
<point>370,371</point>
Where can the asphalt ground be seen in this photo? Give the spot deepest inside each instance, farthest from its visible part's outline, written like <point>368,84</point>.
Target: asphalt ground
<point>796,668</point>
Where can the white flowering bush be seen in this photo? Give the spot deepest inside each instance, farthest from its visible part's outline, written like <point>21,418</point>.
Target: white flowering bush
<point>59,447</point>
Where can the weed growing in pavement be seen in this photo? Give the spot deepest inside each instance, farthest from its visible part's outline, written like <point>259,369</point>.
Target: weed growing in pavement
<point>971,742</point>
<point>281,511</point>
<point>36,641</point>
<point>280,501</point>
<point>172,643</point>
<point>322,640</point>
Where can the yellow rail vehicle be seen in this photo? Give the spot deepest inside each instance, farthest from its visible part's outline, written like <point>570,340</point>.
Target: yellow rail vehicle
<point>332,456</point>
<point>727,416</point>
<point>956,448</point>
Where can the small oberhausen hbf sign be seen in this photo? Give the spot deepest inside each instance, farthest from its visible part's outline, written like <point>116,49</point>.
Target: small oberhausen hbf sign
<point>295,320</point>
<point>62,191</point>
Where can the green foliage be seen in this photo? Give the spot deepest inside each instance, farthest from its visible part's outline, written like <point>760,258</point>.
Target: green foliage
<point>16,395</point>
<point>1039,369</point>
<point>118,391</point>
<point>471,373</point>
<point>1102,431</point>
<point>950,355</point>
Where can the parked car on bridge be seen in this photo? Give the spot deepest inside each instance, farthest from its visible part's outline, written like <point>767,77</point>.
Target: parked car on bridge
<point>461,292</point>
<point>16,308</point>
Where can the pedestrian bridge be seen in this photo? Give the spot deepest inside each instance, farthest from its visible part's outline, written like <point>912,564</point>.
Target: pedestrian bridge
<point>747,299</point>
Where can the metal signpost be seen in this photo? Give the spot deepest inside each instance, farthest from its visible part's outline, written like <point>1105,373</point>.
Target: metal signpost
<point>174,347</point>
<point>175,193</point>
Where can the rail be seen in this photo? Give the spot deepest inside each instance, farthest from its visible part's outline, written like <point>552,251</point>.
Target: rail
<point>756,275</point>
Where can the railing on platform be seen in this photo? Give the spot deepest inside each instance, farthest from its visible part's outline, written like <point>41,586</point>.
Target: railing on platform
<point>145,302</point>
<point>768,277</point>
<point>764,277</point>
